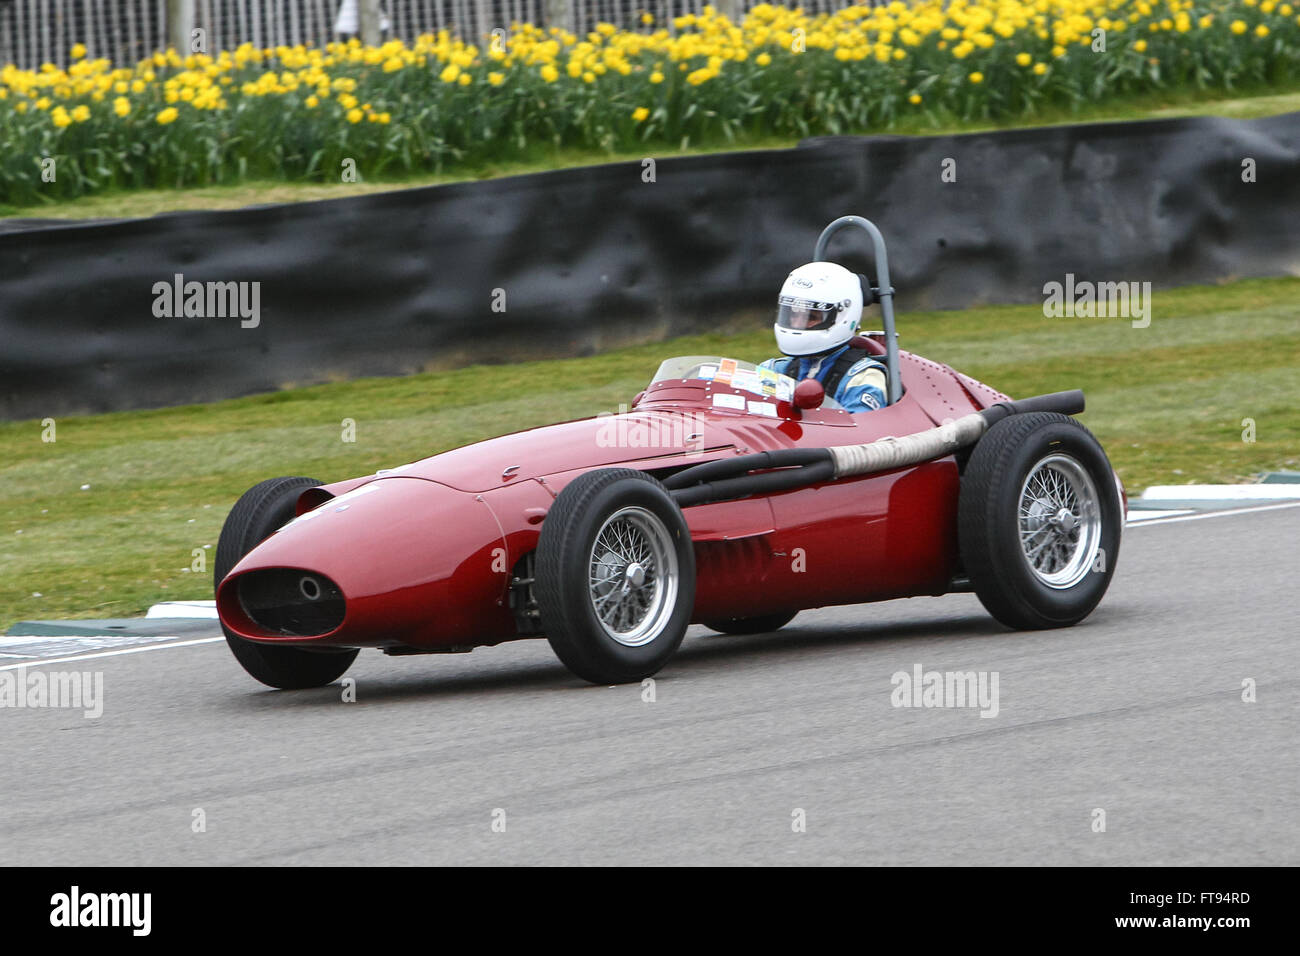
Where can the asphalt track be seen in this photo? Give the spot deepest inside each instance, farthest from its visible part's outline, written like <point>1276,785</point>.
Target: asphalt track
<point>1138,712</point>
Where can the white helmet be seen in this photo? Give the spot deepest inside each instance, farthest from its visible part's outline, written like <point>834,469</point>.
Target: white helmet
<point>819,309</point>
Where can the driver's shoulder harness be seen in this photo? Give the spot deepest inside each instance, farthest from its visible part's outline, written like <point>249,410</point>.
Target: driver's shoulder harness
<point>840,368</point>
<point>847,359</point>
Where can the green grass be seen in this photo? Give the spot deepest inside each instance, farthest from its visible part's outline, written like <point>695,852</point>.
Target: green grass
<point>1167,401</point>
<point>148,202</point>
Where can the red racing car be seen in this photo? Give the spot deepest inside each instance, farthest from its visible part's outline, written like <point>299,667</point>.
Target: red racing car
<point>727,495</point>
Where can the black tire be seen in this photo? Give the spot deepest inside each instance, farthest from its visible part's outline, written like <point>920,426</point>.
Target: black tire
<point>261,510</point>
<point>568,598</point>
<point>752,625</point>
<point>1077,554</point>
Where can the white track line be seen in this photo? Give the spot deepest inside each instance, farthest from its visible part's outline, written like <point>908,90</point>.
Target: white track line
<point>1273,491</point>
<point>1212,514</point>
<point>1136,516</point>
<point>41,661</point>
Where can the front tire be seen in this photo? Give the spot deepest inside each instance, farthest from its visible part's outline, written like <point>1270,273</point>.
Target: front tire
<point>615,576</point>
<point>1039,521</point>
<point>261,511</point>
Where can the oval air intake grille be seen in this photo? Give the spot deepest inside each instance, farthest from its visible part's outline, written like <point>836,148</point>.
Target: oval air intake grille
<point>292,602</point>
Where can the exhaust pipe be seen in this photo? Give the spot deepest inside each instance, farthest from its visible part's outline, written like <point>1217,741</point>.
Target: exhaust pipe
<point>798,467</point>
<point>886,454</point>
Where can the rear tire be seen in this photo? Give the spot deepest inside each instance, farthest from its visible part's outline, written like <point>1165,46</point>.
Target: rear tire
<point>752,625</point>
<point>260,511</point>
<point>1039,521</point>
<point>614,576</point>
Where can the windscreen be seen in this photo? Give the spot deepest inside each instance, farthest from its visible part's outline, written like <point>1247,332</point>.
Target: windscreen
<point>742,376</point>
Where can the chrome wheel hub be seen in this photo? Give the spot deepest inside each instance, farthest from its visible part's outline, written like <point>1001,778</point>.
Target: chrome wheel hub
<point>632,582</point>
<point>1060,521</point>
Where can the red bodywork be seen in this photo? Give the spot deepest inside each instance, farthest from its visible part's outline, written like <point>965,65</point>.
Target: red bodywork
<point>424,554</point>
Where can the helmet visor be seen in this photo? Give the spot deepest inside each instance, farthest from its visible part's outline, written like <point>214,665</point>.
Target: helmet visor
<point>804,315</point>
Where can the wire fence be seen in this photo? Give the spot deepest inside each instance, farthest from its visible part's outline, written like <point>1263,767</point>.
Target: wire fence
<point>33,32</point>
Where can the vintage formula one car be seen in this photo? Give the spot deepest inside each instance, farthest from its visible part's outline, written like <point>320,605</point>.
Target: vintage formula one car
<point>727,495</point>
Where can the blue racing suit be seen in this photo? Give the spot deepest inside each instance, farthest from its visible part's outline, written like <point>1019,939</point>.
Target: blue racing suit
<point>862,389</point>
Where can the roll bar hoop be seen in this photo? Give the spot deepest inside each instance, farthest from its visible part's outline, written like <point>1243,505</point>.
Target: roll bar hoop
<point>884,292</point>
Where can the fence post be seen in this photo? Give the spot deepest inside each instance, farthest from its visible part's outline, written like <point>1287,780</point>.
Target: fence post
<point>370,22</point>
<point>180,24</point>
<point>729,9</point>
<point>556,13</point>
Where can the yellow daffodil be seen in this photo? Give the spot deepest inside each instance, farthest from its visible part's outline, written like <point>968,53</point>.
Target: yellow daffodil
<point>947,47</point>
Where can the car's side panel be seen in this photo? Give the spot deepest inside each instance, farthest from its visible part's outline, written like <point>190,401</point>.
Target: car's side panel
<point>866,539</point>
<point>731,578</point>
<point>840,542</point>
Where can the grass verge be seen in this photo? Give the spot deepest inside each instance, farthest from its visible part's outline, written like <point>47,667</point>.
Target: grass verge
<point>148,202</point>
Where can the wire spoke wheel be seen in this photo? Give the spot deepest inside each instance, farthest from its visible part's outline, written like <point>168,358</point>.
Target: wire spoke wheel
<point>633,576</point>
<point>1060,521</point>
<point>615,575</point>
<point>1040,517</point>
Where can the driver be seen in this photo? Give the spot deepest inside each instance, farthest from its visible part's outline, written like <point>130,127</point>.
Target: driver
<point>818,312</point>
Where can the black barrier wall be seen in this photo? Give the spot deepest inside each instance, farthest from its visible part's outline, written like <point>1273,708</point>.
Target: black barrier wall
<point>580,259</point>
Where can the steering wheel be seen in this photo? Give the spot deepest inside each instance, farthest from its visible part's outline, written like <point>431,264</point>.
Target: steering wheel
<point>695,371</point>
